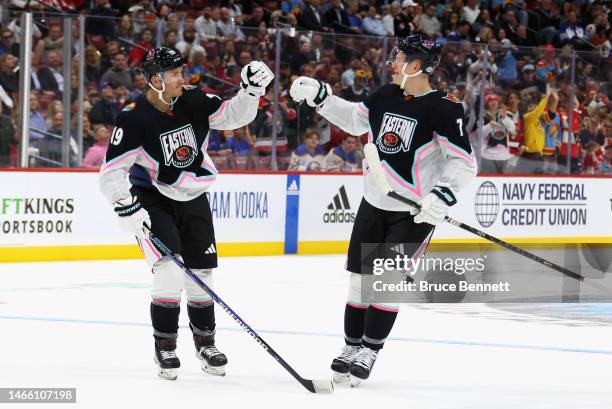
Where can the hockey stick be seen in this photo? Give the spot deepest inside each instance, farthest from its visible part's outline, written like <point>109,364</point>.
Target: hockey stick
<point>314,386</point>
<point>371,155</point>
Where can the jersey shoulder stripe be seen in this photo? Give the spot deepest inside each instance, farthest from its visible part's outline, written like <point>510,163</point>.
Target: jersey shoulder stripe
<point>129,107</point>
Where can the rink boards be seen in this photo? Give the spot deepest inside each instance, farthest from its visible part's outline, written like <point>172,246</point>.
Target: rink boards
<point>61,215</point>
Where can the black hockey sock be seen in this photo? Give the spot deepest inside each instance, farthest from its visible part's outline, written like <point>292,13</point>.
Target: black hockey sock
<point>201,318</point>
<point>354,323</point>
<point>165,317</point>
<point>378,324</point>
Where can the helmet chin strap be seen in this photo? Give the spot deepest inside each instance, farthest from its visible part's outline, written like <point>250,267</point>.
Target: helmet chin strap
<point>406,76</point>
<point>161,92</point>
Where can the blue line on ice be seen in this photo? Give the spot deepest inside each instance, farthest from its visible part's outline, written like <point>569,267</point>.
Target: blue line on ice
<point>327,334</point>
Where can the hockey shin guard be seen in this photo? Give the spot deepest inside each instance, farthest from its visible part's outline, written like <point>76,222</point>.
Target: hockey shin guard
<point>201,318</point>
<point>379,321</point>
<point>354,324</point>
<point>165,317</point>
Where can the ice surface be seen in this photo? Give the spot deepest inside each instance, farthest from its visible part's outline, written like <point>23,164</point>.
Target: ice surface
<point>86,325</point>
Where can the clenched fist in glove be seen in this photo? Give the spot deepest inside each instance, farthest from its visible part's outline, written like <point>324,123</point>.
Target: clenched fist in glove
<point>435,205</point>
<point>313,91</point>
<point>256,76</point>
<point>133,216</point>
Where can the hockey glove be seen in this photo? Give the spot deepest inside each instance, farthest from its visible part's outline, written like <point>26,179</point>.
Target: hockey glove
<point>313,91</point>
<point>133,216</point>
<point>435,205</point>
<point>256,76</point>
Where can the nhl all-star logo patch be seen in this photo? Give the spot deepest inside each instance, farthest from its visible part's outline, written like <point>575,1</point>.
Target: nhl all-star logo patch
<point>428,44</point>
<point>179,146</point>
<point>395,133</point>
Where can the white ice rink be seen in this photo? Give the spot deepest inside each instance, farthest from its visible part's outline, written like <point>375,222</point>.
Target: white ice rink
<point>86,325</point>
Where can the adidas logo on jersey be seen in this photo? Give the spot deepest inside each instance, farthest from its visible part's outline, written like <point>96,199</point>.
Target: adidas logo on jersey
<point>339,210</point>
<point>211,249</point>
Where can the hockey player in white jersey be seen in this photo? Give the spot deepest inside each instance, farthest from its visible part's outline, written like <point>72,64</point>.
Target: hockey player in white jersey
<point>160,141</point>
<point>424,149</point>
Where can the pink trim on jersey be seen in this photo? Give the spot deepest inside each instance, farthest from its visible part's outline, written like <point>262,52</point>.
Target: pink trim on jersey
<point>219,112</point>
<point>153,164</point>
<point>155,252</point>
<point>213,167</point>
<point>422,247</point>
<point>469,158</point>
<point>364,162</point>
<point>106,166</point>
<point>361,307</point>
<point>166,300</point>
<point>417,182</point>
<point>362,108</point>
<point>420,250</point>
<point>380,307</point>
<point>189,175</point>
<point>402,183</point>
<point>210,166</point>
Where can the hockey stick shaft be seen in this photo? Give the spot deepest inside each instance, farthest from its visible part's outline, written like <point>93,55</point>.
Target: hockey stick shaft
<point>315,386</point>
<point>371,154</point>
<point>493,239</point>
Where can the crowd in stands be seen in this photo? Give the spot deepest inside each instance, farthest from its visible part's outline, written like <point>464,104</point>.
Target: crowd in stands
<point>508,61</point>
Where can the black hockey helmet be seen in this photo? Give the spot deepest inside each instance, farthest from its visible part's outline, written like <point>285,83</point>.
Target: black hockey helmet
<point>159,60</point>
<point>419,46</point>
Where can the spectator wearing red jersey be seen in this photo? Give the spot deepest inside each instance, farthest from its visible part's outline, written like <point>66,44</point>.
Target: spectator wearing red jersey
<point>144,45</point>
<point>570,142</point>
<point>593,156</point>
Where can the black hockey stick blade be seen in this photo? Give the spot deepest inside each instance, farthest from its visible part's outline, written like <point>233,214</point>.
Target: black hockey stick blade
<point>373,160</point>
<point>314,386</point>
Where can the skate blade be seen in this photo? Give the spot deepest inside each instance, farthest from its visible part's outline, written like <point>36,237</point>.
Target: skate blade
<point>167,374</point>
<point>340,377</point>
<point>355,381</point>
<point>213,370</point>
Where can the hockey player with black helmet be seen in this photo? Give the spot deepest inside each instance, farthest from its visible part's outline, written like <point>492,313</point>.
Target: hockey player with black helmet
<point>423,145</point>
<point>160,142</point>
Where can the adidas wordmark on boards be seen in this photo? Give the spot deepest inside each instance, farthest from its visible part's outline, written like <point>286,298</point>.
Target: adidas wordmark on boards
<point>339,210</point>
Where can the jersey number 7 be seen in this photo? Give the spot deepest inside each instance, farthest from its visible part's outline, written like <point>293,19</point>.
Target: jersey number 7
<point>460,123</point>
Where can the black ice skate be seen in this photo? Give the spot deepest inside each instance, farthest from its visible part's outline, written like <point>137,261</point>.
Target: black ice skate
<point>342,363</point>
<point>166,359</point>
<point>212,360</point>
<point>362,365</point>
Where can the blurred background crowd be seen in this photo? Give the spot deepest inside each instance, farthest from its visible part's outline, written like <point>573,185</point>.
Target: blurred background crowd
<point>533,75</point>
